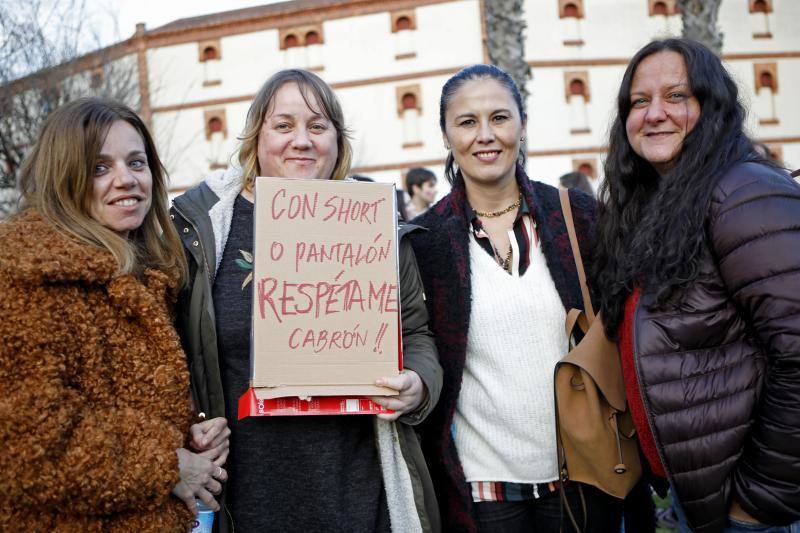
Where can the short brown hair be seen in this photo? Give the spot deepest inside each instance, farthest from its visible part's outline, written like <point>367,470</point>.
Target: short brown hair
<point>331,108</point>
<point>56,179</point>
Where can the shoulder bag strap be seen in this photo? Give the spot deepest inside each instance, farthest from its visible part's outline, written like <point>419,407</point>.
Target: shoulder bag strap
<point>563,195</point>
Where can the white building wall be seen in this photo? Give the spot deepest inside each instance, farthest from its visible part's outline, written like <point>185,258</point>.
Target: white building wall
<point>736,24</point>
<point>548,109</point>
<point>247,61</point>
<point>358,55</point>
<point>363,47</point>
<point>174,73</point>
<point>371,111</point>
<point>183,145</point>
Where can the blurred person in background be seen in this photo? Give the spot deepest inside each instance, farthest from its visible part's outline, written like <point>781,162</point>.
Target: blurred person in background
<point>576,180</point>
<point>421,188</point>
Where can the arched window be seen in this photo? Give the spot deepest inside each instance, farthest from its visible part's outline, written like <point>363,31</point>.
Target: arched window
<point>660,8</point>
<point>210,53</point>
<point>663,20</point>
<point>576,92</point>
<point>570,13</point>
<point>409,110</point>
<point>209,50</point>
<point>759,18</point>
<point>96,79</point>
<point>216,133</point>
<point>409,101</point>
<point>291,41</point>
<point>765,79</point>
<point>571,10</point>
<point>576,87</point>
<point>215,125</point>
<point>766,85</point>
<point>312,37</point>
<point>403,23</point>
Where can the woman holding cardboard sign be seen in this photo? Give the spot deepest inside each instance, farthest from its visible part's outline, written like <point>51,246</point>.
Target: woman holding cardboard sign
<point>318,473</point>
<point>94,390</point>
<point>698,271</point>
<point>499,276</point>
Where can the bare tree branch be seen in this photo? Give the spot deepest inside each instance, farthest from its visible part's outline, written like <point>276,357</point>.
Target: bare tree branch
<point>41,43</point>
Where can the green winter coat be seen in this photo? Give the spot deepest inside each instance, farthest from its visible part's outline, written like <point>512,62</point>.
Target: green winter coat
<point>202,217</point>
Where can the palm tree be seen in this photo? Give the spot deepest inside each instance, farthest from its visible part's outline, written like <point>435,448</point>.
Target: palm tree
<point>700,22</point>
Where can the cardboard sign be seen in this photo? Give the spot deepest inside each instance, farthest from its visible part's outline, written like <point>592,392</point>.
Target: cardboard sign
<point>326,300</point>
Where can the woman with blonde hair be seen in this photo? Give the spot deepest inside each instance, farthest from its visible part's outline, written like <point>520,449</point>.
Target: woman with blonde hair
<point>94,391</point>
<point>318,473</point>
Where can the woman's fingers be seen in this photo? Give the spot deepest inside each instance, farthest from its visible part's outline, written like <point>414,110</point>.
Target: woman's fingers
<point>398,404</point>
<point>222,457</point>
<point>209,433</point>
<point>186,495</point>
<point>207,498</point>
<point>213,486</point>
<point>220,474</point>
<point>411,394</point>
<point>399,382</point>
<point>214,454</point>
<point>221,437</point>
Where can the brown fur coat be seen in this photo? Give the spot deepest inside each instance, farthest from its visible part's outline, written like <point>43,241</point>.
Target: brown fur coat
<point>94,390</point>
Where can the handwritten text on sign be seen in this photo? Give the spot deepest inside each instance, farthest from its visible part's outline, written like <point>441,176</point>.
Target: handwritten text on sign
<point>326,293</point>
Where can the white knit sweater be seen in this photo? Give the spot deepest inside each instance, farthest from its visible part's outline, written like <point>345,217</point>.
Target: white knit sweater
<point>504,423</point>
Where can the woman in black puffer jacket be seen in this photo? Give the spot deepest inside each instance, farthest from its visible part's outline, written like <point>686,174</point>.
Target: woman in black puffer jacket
<point>697,269</point>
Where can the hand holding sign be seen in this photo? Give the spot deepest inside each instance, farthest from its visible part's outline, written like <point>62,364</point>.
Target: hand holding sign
<point>411,394</point>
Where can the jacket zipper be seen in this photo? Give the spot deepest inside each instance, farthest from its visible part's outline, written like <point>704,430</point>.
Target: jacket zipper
<point>211,280</point>
<point>202,248</point>
<point>644,396</point>
<point>205,263</point>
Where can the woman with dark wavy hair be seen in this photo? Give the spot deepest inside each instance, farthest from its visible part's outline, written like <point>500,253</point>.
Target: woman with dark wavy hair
<point>697,270</point>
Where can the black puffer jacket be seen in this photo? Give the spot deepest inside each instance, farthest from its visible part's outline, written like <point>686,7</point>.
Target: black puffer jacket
<point>720,378</point>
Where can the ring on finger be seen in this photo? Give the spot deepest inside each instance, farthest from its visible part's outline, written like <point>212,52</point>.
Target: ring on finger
<point>219,472</point>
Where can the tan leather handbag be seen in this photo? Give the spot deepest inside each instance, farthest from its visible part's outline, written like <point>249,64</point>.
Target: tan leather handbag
<point>596,438</point>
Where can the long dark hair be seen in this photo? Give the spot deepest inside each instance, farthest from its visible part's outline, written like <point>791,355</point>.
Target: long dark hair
<point>477,72</point>
<point>650,229</point>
